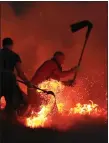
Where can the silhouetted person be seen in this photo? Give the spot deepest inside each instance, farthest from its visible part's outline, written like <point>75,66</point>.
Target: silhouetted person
<point>52,69</point>
<point>9,61</point>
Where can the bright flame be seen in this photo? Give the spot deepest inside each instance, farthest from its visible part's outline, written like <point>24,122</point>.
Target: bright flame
<point>84,109</point>
<point>37,119</point>
<point>60,107</point>
<point>40,119</point>
<point>52,85</point>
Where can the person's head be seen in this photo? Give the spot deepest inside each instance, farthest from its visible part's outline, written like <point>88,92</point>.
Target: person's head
<point>7,43</point>
<point>60,57</point>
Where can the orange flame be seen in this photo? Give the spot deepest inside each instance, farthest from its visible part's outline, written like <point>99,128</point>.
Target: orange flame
<point>57,87</point>
<point>84,109</point>
<point>53,85</point>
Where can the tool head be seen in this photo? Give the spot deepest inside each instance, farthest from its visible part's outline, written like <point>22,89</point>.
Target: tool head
<point>79,25</point>
<point>51,92</point>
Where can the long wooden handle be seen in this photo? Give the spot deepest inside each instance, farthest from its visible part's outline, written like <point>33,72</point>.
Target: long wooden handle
<point>80,59</point>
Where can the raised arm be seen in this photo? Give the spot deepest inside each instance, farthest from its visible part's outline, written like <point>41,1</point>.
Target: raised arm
<point>63,74</point>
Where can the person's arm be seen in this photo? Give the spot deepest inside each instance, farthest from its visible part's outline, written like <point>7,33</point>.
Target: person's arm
<point>63,74</point>
<point>21,74</point>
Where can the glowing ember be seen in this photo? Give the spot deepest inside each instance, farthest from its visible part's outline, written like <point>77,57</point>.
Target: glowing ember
<point>2,103</point>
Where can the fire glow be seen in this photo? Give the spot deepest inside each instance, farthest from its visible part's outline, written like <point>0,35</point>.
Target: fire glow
<point>44,119</point>
<point>55,116</point>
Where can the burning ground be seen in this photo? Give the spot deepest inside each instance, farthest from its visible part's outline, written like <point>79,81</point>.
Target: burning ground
<point>65,110</point>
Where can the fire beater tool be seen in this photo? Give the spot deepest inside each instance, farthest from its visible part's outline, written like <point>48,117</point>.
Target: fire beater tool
<point>74,28</point>
<point>45,91</point>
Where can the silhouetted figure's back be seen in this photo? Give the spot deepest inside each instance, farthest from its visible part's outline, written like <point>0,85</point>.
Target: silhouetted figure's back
<point>9,61</point>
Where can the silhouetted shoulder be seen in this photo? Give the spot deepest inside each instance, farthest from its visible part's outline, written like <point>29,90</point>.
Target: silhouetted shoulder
<point>16,56</point>
<point>9,59</point>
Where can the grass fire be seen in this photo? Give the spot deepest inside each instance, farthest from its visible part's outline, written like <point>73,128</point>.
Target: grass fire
<point>56,113</point>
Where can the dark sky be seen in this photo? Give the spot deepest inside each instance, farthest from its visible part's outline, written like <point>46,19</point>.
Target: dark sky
<point>41,28</point>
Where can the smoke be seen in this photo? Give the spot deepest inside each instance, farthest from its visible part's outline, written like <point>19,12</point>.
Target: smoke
<point>41,28</point>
